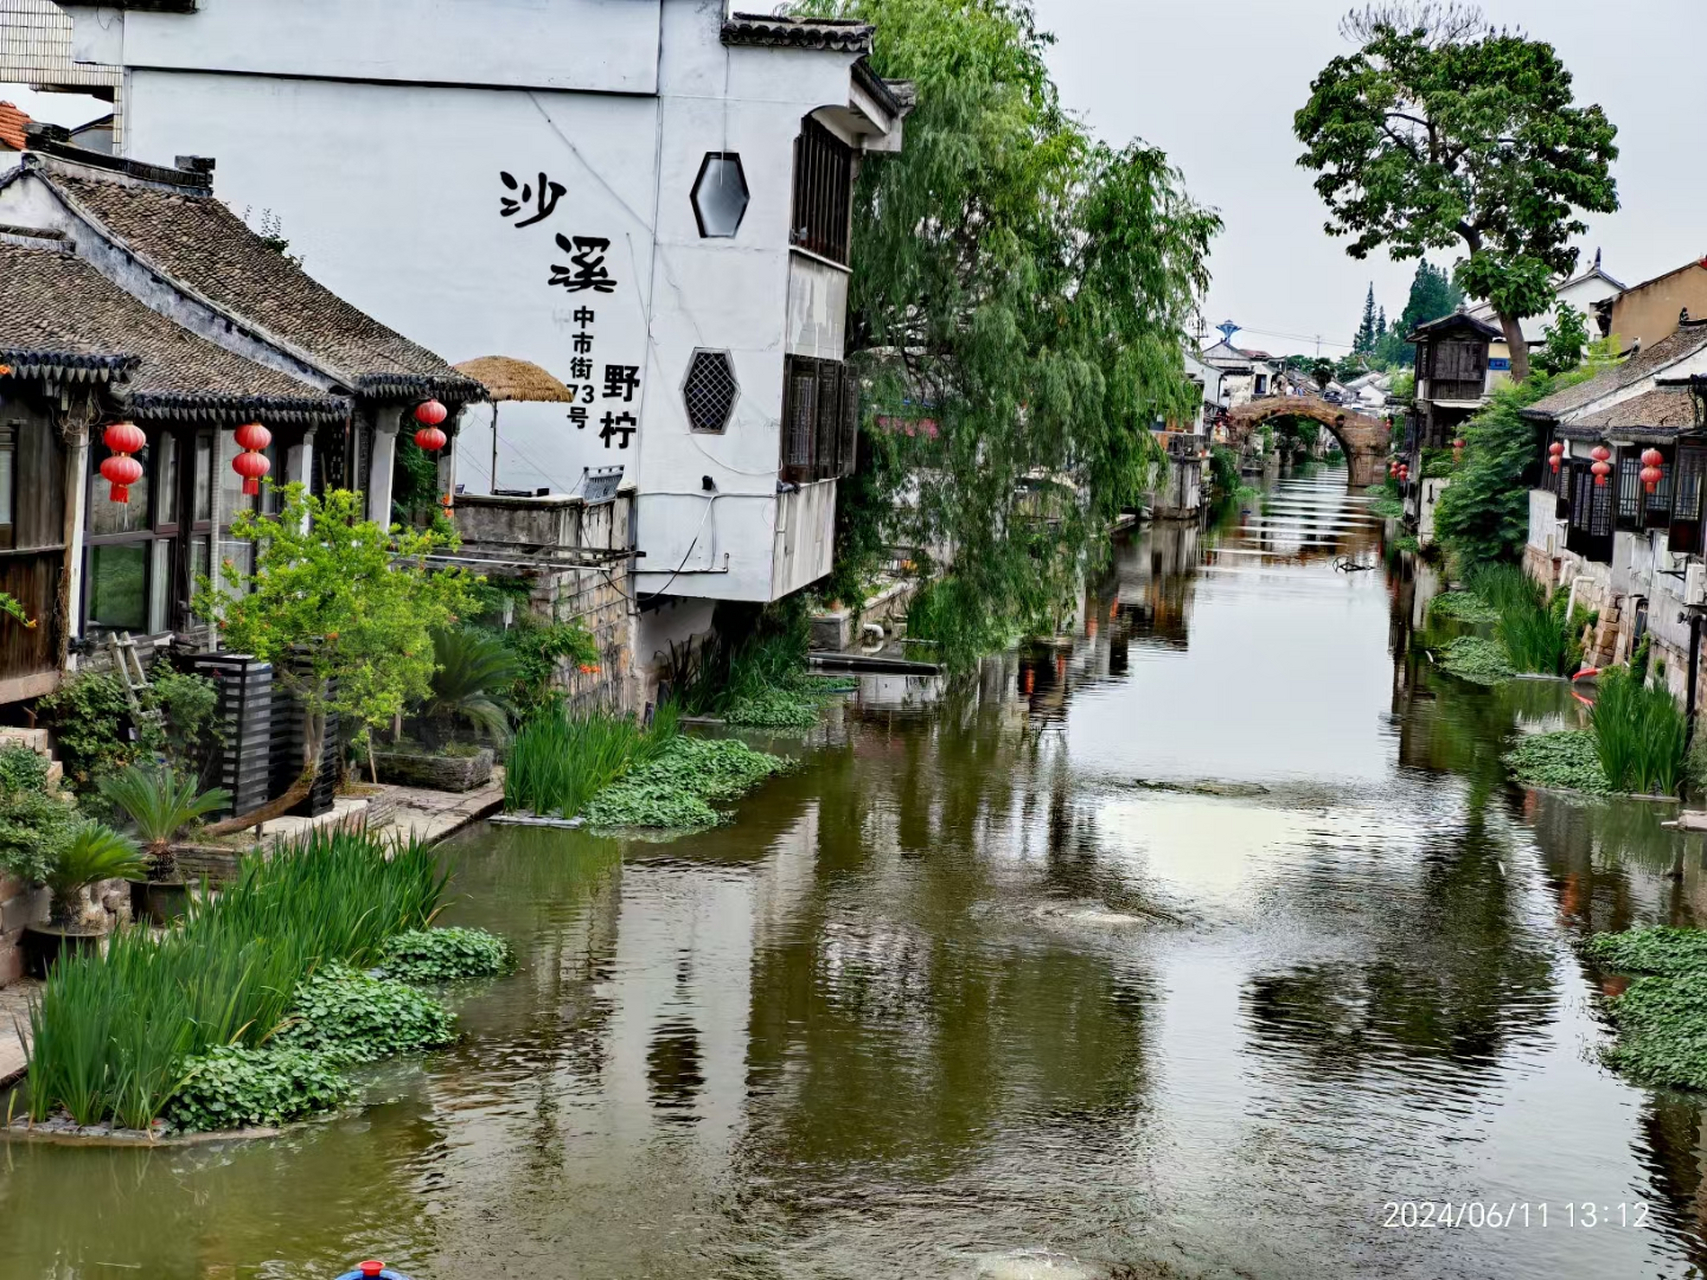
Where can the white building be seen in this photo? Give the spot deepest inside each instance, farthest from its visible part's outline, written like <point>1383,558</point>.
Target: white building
<point>1245,375</point>
<point>650,200</point>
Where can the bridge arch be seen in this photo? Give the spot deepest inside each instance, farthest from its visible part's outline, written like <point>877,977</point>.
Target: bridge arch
<point>1363,439</point>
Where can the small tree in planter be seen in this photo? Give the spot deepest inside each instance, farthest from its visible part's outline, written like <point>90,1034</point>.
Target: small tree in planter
<point>344,609</point>
<point>161,803</point>
<point>93,853</point>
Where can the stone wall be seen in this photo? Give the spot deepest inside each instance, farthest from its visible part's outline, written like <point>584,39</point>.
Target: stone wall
<point>528,537</point>
<point>19,906</point>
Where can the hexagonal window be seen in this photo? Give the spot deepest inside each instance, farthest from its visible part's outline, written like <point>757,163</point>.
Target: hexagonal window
<point>710,390</point>
<point>720,195</point>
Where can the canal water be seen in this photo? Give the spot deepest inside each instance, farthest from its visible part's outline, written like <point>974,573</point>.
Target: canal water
<point>1205,941</point>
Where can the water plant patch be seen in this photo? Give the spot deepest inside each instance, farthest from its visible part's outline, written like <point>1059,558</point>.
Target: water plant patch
<point>236,1086</point>
<point>1662,1016</point>
<point>680,789</point>
<point>1478,660</point>
<point>445,955</point>
<point>1566,760</point>
<point>1463,606</point>
<point>355,1017</point>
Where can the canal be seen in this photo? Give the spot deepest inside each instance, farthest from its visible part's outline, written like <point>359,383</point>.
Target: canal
<point>1201,942</point>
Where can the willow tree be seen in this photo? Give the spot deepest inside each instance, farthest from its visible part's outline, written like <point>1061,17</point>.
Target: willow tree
<point>1441,131</point>
<point>1019,303</point>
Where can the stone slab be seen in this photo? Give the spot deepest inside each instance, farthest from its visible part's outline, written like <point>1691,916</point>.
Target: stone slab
<point>14,1022</point>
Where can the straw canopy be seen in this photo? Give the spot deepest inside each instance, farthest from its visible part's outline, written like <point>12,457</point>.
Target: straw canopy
<point>509,379</point>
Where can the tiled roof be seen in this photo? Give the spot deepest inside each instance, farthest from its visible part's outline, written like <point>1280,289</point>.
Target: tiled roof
<point>197,241</point>
<point>767,30</point>
<point>1686,341</point>
<point>12,122</point>
<point>55,309</point>
<point>1668,408</point>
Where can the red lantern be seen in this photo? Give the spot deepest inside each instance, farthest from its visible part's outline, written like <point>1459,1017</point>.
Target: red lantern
<point>1458,446</point>
<point>251,464</point>
<point>431,439</point>
<point>1404,473</point>
<point>121,470</point>
<point>430,413</point>
<point>1651,477</point>
<point>1602,467</point>
<point>1653,458</point>
<point>1555,452</point>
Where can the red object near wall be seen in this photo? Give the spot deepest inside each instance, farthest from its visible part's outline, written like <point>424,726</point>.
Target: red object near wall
<point>431,439</point>
<point>121,470</point>
<point>430,413</point>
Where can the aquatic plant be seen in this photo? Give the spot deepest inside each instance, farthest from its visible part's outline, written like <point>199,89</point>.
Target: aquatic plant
<point>1476,659</point>
<point>236,1086</point>
<point>1661,1017</point>
<point>1386,508</point>
<point>354,1017</point>
<point>558,763</point>
<point>111,1033</point>
<point>1639,733</point>
<point>445,955</point>
<point>680,789</point>
<point>1462,606</point>
<point>1650,949</point>
<point>1568,760</point>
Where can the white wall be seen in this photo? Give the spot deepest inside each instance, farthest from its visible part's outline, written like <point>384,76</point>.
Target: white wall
<point>602,45</point>
<point>390,190</point>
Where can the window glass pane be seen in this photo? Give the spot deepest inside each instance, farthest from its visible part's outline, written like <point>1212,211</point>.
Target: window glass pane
<point>166,478</point>
<point>116,587</point>
<point>107,516</point>
<point>204,476</point>
<point>239,554</point>
<point>160,597</point>
<point>198,561</point>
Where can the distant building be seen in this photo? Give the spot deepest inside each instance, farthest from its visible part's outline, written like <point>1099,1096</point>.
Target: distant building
<point>1645,313</point>
<point>1245,375</point>
<point>1454,375</point>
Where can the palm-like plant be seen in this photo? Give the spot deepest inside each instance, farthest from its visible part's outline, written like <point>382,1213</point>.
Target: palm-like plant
<point>472,666</point>
<point>161,802</point>
<point>95,852</point>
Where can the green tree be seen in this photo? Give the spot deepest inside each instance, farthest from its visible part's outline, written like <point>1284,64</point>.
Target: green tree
<point>1566,340</point>
<point>1432,296</point>
<point>1019,305</point>
<point>345,610</point>
<point>1322,371</point>
<point>1367,333</point>
<point>1442,131</point>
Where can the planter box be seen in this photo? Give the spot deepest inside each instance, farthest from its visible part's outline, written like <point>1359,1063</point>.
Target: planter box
<point>218,864</point>
<point>435,773</point>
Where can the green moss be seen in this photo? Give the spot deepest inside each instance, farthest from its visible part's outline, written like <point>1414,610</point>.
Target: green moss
<point>1568,760</point>
<point>1478,660</point>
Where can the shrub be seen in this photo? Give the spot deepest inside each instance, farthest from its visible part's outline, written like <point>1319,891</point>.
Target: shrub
<point>233,1087</point>
<point>445,955</point>
<point>35,828</point>
<point>89,713</point>
<point>22,769</point>
<point>1566,760</point>
<point>353,1017</point>
<point>538,650</point>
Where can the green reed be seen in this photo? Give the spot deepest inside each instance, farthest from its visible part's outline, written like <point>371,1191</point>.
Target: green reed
<point>1639,734</point>
<point>558,762</point>
<point>111,1032</point>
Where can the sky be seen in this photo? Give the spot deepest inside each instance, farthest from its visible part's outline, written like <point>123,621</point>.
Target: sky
<point>1214,83</point>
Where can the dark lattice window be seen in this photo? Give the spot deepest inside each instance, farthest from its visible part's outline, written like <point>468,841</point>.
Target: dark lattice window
<point>823,192</point>
<point>1684,535</point>
<point>1628,477</point>
<point>820,420</point>
<point>710,390</point>
<point>1659,501</point>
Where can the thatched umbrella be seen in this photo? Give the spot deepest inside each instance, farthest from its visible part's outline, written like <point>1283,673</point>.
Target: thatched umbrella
<point>507,378</point>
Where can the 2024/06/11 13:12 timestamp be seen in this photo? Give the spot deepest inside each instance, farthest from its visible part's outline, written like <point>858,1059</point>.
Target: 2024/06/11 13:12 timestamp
<point>1500,1215</point>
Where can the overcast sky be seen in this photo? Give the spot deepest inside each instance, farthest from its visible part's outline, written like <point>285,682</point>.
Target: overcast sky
<point>1215,83</point>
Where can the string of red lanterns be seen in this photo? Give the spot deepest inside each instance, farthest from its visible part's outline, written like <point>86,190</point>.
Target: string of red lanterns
<point>1602,466</point>
<point>1555,452</point>
<point>121,470</point>
<point>429,414</point>
<point>1653,469</point>
<point>1458,447</point>
<point>252,463</point>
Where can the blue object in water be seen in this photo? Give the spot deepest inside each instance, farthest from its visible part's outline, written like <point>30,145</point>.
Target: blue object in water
<point>370,1269</point>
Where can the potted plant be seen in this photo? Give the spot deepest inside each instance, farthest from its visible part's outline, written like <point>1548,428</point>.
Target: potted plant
<point>94,853</point>
<point>160,803</point>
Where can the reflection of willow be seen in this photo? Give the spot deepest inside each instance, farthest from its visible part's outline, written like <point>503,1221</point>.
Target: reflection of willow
<point>555,895</point>
<point>894,1021</point>
<point>1452,972</point>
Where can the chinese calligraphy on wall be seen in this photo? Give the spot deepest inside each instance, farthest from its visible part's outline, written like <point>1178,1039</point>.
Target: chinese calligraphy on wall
<point>610,399</point>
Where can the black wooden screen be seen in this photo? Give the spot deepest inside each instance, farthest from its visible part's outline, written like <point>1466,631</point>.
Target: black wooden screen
<point>823,192</point>
<point>1684,536</point>
<point>820,420</point>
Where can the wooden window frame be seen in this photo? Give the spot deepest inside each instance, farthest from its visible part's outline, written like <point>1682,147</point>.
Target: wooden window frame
<point>822,221</point>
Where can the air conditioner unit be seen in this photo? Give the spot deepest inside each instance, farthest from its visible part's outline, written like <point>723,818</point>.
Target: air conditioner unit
<point>1695,584</point>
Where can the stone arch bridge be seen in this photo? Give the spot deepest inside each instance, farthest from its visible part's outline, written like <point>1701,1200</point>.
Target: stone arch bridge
<point>1363,439</point>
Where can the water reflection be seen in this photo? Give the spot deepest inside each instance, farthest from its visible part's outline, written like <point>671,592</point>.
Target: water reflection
<point>1190,939</point>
